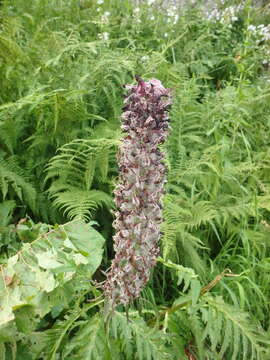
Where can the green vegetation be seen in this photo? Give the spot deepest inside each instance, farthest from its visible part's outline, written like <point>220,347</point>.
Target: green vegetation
<point>62,67</point>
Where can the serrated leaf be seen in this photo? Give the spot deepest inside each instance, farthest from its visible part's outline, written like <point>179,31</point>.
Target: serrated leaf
<point>47,260</point>
<point>44,267</point>
<point>195,291</point>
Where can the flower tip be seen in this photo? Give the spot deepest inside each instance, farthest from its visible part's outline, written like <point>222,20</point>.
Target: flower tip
<point>138,79</point>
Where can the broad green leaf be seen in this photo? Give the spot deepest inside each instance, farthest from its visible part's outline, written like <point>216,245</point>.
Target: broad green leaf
<point>36,277</point>
<point>47,260</point>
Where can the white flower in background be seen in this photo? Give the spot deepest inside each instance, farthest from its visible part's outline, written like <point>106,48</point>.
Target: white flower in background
<point>150,2</point>
<point>251,28</point>
<point>260,32</point>
<point>214,15</point>
<point>105,17</point>
<point>136,10</point>
<point>166,35</point>
<point>145,58</point>
<point>176,18</point>
<point>98,9</point>
<point>171,11</point>
<point>99,2</point>
<point>229,14</point>
<point>152,17</point>
<point>104,36</point>
<point>226,16</point>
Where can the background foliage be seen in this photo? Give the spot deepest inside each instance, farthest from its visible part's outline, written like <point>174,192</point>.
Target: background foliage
<point>62,67</point>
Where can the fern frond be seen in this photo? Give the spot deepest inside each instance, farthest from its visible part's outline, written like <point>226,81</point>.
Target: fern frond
<point>89,342</point>
<point>6,209</point>
<point>177,241</point>
<point>72,173</point>
<point>230,331</point>
<point>190,214</point>
<point>9,48</point>
<point>184,274</point>
<point>12,176</point>
<point>77,160</point>
<point>81,204</point>
<point>138,341</point>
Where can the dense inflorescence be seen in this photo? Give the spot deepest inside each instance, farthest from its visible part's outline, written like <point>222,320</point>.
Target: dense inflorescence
<point>140,189</point>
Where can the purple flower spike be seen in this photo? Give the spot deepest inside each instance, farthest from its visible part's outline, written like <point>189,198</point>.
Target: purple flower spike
<point>139,192</point>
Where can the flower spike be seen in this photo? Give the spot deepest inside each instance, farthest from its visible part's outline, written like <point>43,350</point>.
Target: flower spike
<point>139,192</point>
